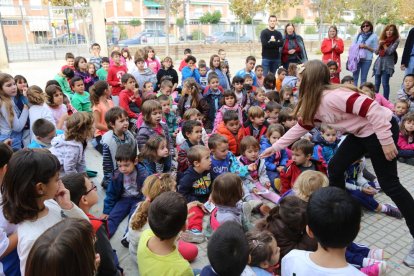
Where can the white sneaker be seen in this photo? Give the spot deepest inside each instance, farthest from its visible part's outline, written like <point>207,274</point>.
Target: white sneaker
<point>409,259</point>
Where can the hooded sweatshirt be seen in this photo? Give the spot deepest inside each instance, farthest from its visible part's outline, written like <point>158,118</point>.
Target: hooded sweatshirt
<point>144,76</point>
<point>71,155</point>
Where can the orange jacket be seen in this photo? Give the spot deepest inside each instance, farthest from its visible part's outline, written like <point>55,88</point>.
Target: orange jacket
<point>234,140</point>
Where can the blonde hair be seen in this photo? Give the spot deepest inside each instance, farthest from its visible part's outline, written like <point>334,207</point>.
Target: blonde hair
<point>308,182</point>
<point>154,185</point>
<point>191,112</point>
<point>79,127</point>
<point>5,99</point>
<point>255,112</point>
<point>35,95</point>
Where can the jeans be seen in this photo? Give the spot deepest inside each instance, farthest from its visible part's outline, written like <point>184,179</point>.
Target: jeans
<point>352,148</point>
<point>363,67</point>
<point>270,65</point>
<point>410,68</point>
<point>406,153</point>
<point>367,201</point>
<point>355,254</point>
<point>124,206</point>
<point>385,79</point>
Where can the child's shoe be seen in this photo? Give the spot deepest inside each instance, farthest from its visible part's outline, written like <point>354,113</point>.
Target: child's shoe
<point>366,262</point>
<point>392,211</point>
<point>376,254</point>
<point>193,236</point>
<point>377,269</point>
<point>278,184</point>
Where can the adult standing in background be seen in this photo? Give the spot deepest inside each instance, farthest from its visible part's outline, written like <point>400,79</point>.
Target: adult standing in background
<point>293,50</point>
<point>116,33</point>
<point>271,40</point>
<point>368,43</point>
<point>332,47</point>
<point>384,65</point>
<point>407,60</point>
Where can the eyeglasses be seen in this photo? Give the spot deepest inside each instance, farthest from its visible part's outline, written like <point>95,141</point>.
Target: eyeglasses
<point>93,188</point>
<point>363,26</point>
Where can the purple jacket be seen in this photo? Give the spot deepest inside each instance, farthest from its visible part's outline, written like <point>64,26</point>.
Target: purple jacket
<point>145,132</point>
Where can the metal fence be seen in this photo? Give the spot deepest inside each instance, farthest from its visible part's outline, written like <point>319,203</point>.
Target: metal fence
<point>45,32</point>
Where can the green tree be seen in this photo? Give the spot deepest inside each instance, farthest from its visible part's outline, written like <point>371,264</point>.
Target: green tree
<point>135,22</point>
<point>298,20</point>
<point>210,18</point>
<point>374,10</point>
<point>277,6</point>
<point>329,11</point>
<point>245,10</point>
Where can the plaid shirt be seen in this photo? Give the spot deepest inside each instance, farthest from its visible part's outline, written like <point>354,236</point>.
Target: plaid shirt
<point>171,121</point>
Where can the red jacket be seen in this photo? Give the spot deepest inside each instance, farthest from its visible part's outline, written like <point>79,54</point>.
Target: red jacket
<point>291,172</point>
<point>125,98</point>
<point>115,74</point>
<point>332,54</point>
<point>248,130</point>
<point>234,140</point>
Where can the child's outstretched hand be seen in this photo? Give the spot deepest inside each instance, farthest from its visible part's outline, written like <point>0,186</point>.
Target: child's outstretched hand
<point>267,184</point>
<point>255,191</point>
<point>104,216</point>
<point>252,167</point>
<point>62,197</point>
<point>369,191</point>
<point>267,152</point>
<point>280,168</point>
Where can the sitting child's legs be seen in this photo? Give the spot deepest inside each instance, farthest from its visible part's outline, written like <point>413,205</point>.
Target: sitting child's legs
<point>273,197</point>
<point>195,220</point>
<point>121,209</point>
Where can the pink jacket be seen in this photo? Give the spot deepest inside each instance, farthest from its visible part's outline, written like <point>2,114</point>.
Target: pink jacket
<point>384,102</point>
<point>346,111</point>
<point>403,143</point>
<point>220,113</point>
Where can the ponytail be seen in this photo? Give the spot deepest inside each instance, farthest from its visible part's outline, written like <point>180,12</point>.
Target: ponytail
<point>97,90</point>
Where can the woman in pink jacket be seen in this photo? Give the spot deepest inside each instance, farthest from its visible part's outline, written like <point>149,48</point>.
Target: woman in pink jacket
<point>371,129</point>
<point>332,47</point>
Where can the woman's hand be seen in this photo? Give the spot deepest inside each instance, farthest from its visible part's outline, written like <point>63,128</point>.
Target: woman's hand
<point>390,151</point>
<point>268,152</point>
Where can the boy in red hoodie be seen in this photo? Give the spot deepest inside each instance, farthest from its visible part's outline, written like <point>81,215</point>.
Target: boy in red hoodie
<point>301,161</point>
<point>231,129</point>
<point>115,73</point>
<point>333,71</point>
<point>130,100</point>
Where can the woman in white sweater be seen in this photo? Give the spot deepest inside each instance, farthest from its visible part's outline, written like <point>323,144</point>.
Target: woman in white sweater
<point>35,199</point>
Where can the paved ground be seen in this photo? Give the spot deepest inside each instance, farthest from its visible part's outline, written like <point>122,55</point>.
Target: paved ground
<point>377,230</point>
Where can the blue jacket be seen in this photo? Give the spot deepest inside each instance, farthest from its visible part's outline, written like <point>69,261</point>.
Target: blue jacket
<point>323,150</point>
<point>147,167</point>
<point>187,73</point>
<point>275,160</point>
<point>229,164</point>
<point>116,188</point>
<point>195,186</point>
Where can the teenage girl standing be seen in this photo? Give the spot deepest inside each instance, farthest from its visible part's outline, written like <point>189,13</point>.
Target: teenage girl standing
<point>371,128</point>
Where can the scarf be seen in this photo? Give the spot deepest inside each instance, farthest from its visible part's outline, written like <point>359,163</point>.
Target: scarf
<point>254,174</point>
<point>365,36</point>
<point>388,42</point>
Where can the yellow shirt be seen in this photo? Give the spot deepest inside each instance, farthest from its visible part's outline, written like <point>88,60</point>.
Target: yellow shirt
<point>150,263</point>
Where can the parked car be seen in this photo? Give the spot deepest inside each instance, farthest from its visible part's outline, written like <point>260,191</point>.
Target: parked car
<point>147,37</point>
<point>65,39</point>
<point>227,37</point>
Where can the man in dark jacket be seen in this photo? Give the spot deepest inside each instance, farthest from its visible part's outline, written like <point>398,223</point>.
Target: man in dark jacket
<point>271,41</point>
<point>407,60</point>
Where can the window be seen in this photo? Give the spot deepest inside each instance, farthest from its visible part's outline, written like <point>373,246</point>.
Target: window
<point>128,5</point>
<point>9,22</point>
<point>299,12</point>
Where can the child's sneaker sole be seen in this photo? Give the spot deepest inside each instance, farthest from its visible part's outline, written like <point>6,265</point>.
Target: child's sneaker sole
<point>189,236</point>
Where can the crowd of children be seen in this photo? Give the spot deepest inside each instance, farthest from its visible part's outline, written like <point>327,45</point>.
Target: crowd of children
<point>194,159</point>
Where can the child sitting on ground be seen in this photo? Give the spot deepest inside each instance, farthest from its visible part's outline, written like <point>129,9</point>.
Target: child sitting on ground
<point>157,251</point>
<point>401,108</point>
<point>287,100</point>
<point>264,253</point>
<point>169,116</point>
<point>202,69</point>
<point>183,63</point>
<point>368,88</point>
<point>281,74</point>
<point>276,162</point>
<point>63,79</point>
<point>287,119</point>
<point>224,160</point>
<point>248,70</point>
<point>44,131</point>
<point>326,144</point>
<point>333,71</point>
<point>326,212</point>
<point>258,70</point>
<point>194,185</point>
<point>154,157</point>
<point>227,194</point>
<point>102,72</point>
<point>54,97</point>
<point>117,121</point>
<point>130,100</point>
<point>38,108</point>
<point>193,133</point>
<point>154,186</point>
<point>407,91</point>
<point>260,98</point>
<point>301,161</point>
<point>256,184</point>
<point>406,140</point>
<point>242,98</point>
<point>229,102</point>
<point>232,130</point>
<point>291,77</point>
<point>256,125</point>
<point>69,148</point>
<point>195,115</point>
<point>83,193</point>
<point>213,98</point>
<point>272,110</point>
<point>124,189</point>
<point>227,251</point>
<point>80,99</point>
